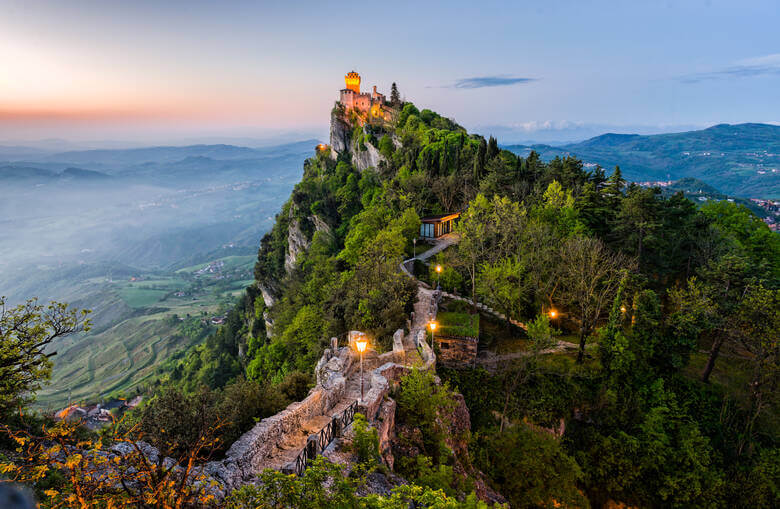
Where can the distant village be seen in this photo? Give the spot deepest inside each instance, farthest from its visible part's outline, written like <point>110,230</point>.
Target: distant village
<point>97,415</point>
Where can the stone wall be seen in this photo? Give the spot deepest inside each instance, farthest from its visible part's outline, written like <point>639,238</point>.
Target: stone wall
<point>456,350</point>
<point>247,456</point>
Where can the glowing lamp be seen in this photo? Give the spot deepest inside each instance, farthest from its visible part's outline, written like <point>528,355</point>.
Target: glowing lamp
<point>622,309</point>
<point>438,268</point>
<point>432,326</point>
<point>553,313</point>
<point>361,344</point>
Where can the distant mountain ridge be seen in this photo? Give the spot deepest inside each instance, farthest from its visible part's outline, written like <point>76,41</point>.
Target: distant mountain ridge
<point>169,165</point>
<point>739,160</point>
<point>30,173</point>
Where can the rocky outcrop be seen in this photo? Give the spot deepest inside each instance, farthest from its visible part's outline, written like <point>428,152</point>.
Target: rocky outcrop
<point>268,294</point>
<point>340,135</point>
<point>320,225</point>
<point>368,158</point>
<point>296,243</point>
<point>341,141</point>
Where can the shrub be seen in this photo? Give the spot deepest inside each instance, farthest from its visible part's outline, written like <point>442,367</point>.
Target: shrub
<point>365,443</point>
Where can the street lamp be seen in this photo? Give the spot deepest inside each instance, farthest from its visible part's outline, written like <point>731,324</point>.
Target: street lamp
<point>438,275</point>
<point>553,313</point>
<point>432,325</point>
<point>361,344</point>
<point>622,309</point>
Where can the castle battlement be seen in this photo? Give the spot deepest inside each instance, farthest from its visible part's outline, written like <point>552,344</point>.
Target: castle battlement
<point>371,103</point>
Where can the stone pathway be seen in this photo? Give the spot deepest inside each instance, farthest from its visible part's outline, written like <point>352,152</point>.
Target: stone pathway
<point>292,445</point>
<point>440,245</point>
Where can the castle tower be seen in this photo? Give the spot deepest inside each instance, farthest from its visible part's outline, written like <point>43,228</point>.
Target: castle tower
<point>352,80</point>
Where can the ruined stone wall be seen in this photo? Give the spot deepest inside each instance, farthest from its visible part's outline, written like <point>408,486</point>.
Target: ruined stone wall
<point>456,350</point>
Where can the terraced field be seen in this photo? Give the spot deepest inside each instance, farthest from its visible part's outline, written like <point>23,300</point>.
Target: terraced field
<point>122,356</point>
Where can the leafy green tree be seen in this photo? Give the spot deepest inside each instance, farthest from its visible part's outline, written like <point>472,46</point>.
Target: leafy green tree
<point>530,468</point>
<point>558,210</point>
<point>503,286</point>
<point>26,333</point>
<point>749,232</point>
<point>638,222</point>
<point>590,275</point>
<point>365,442</point>
<point>427,406</point>
<point>323,484</point>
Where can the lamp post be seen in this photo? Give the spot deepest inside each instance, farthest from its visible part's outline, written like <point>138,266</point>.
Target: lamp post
<point>553,314</point>
<point>432,325</point>
<point>414,249</point>
<point>361,345</point>
<point>438,276</point>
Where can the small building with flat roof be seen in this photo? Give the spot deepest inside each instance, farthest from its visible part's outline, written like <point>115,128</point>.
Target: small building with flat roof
<point>432,227</point>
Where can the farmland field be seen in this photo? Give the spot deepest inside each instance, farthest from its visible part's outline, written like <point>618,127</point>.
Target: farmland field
<point>118,359</point>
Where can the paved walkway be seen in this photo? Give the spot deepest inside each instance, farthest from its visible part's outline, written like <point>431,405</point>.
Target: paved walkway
<point>440,245</point>
<point>293,443</point>
<point>424,311</point>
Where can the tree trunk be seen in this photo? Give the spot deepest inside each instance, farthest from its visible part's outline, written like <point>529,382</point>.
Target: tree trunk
<point>705,375</point>
<point>474,287</point>
<point>581,353</point>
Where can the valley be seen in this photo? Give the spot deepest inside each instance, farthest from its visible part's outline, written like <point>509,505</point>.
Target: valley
<point>156,242</point>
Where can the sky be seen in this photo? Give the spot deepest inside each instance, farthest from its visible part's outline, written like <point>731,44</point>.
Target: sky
<point>161,72</point>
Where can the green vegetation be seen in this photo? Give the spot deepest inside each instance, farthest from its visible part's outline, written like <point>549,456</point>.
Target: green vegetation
<point>325,485</point>
<point>737,159</point>
<point>535,237</point>
<point>458,324</point>
<point>642,281</point>
<point>164,315</point>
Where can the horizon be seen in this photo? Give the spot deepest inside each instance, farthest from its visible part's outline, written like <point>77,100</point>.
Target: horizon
<point>544,73</point>
<point>282,138</point>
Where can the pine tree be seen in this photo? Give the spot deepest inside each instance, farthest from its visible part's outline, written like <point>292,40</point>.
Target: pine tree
<point>395,97</point>
<point>492,148</point>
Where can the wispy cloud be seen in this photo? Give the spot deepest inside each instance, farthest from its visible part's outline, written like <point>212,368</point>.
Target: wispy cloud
<point>757,66</point>
<point>488,81</point>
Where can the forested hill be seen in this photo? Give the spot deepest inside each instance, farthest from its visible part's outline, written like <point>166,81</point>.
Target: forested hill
<point>741,160</point>
<point>669,398</point>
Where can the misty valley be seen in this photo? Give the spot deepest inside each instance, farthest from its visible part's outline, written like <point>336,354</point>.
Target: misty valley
<point>156,242</point>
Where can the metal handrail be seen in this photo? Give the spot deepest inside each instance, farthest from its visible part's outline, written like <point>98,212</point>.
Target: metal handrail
<point>324,437</point>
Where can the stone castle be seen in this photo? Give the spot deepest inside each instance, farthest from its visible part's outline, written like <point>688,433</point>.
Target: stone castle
<point>373,103</point>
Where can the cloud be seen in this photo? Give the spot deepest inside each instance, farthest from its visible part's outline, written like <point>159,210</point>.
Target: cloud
<point>750,67</point>
<point>489,81</point>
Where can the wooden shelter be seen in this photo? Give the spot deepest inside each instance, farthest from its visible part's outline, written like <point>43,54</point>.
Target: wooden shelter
<point>435,226</point>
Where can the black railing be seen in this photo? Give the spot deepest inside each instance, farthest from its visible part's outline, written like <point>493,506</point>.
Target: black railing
<point>318,442</point>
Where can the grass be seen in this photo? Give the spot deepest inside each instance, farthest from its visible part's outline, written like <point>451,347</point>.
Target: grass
<point>458,324</point>
<point>136,297</point>
<point>230,263</point>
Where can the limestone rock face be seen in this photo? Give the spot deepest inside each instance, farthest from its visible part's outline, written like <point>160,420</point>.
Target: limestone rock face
<point>339,136</point>
<point>320,225</point>
<point>296,244</point>
<point>269,325</point>
<point>268,296</point>
<point>368,158</point>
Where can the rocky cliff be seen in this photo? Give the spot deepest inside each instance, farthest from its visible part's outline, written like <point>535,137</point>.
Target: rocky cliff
<point>362,156</point>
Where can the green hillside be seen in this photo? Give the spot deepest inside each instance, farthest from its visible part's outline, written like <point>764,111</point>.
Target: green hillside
<point>740,160</point>
<point>158,315</point>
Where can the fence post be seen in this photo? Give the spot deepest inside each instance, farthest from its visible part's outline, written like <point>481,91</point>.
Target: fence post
<point>311,447</point>
<point>335,423</point>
